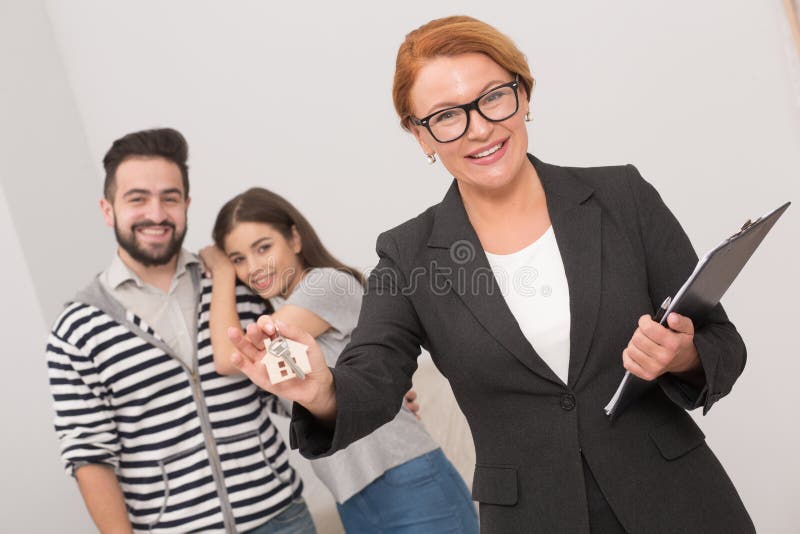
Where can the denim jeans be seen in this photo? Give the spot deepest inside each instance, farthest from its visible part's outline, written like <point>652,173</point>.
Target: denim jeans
<point>423,496</point>
<point>295,519</point>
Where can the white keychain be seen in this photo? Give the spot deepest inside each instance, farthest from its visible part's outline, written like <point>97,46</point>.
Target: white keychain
<point>286,359</point>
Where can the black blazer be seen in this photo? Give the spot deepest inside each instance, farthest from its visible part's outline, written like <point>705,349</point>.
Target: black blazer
<point>623,253</point>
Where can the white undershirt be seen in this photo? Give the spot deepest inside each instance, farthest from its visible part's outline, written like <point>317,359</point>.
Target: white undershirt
<point>534,285</point>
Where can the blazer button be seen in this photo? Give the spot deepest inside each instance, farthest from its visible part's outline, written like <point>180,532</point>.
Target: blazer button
<point>568,402</point>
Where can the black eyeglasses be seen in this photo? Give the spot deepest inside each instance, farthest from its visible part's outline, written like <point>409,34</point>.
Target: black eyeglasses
<point>495,105</point>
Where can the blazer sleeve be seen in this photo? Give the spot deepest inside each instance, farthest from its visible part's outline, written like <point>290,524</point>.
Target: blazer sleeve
<point>670,259</point>
<point>374,371</point>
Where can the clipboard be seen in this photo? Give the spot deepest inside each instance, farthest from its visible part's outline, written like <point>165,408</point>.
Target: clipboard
<point>713,275</point>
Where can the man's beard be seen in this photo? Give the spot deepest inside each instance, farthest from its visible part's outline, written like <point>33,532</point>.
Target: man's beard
<point>140,254</point>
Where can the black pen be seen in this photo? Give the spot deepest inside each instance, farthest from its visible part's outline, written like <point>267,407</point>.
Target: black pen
<point>662,310</point>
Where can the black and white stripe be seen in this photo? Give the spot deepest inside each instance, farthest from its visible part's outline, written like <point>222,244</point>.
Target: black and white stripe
<point>126,402</point>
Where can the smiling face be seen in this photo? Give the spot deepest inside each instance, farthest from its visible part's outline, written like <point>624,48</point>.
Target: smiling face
<point>264,259</point>
<point>490,155</point>
<point>148,212</point>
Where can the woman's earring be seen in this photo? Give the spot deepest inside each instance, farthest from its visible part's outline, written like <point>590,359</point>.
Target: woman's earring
<point>431,158</point>
<point>528,117</point>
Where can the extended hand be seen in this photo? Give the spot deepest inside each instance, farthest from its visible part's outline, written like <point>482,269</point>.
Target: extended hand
<point>654,350</point>
<point>315,392</point>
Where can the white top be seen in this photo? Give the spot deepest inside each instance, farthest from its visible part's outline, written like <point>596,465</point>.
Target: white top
<point>534,285</point>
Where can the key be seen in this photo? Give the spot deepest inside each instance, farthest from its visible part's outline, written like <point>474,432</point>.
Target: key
<point>278,347</point>
<point>289,353</point>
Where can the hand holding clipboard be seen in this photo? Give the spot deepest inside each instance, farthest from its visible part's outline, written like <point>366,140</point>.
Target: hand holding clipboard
<point>712,276</point>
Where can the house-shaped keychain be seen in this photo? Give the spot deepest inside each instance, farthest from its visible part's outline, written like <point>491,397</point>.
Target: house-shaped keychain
<point>279,369</point>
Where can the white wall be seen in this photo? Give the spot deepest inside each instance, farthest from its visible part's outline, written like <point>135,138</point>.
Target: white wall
<point>295,97</point>
<point>35,493</point>
<point>50,243</point>
<point>45,165</point>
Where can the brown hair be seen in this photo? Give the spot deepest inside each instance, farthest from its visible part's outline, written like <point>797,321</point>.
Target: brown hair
<point>262,206</point>
<point>162,143</point>
<point>452,36</point>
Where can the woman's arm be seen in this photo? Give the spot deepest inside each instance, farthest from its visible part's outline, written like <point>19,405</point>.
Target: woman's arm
<point>223,315</point>
<point>374,371</point>
<point>301,318</point>
<point>315,325</point>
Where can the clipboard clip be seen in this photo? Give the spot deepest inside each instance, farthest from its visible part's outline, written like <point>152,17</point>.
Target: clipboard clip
<point>748,223</point>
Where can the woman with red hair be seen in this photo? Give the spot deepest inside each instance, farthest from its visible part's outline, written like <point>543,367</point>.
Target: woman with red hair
<point>532,286</point>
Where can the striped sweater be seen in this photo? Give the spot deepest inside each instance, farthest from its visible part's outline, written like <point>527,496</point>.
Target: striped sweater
<point>193,451</point>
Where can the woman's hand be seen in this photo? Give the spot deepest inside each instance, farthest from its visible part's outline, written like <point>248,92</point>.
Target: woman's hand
<point>654,350</point>
<point>216,263</point>
<point>315,392</point>
<point>411,404</point>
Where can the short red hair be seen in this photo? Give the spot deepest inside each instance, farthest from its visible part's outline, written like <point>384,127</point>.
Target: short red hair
<point>452,36</point>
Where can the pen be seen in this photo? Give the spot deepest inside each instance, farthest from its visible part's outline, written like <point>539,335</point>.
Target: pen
<point>662,310</point>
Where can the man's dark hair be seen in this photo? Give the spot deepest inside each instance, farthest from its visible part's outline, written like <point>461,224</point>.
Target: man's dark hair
<point>161,142</point>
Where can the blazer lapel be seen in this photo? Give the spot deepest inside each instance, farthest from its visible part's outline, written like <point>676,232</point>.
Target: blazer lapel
<point>576,224</point>
<point>462,267</point>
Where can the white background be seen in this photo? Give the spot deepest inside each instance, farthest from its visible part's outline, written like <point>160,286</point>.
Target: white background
<point>704,97</point>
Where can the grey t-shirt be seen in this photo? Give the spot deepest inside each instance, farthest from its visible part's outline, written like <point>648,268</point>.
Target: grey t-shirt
<point>335,297</point>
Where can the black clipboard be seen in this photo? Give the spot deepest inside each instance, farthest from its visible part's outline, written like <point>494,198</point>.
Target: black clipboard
<point>713,275</point>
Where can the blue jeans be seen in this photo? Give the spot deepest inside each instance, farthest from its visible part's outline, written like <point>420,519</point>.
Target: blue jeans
<point>295,519</point>
<point>423,496</point>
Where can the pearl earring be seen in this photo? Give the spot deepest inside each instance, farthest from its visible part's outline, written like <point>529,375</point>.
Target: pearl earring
<point>528,117</point>
<point>431,158</point>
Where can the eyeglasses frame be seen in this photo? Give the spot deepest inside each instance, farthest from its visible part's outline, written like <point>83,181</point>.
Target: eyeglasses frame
<point>425,121</point>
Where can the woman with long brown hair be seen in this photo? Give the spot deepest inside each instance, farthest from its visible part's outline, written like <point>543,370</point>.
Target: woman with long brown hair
<point>396,479</point>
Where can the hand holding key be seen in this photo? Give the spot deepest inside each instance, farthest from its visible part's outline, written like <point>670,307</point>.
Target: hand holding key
<point>315,392</point>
